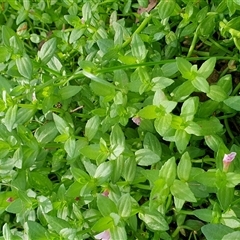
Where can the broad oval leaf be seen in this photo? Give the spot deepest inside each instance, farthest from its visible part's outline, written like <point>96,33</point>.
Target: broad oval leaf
<point>182,191</point>
<point>47,50</point>
<point>233,102</point>
<point>153,219</point>
<point>146,157</point>
<point>166,8</point>
<point>24,66</point>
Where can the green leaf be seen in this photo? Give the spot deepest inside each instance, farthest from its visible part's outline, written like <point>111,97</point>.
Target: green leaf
<point>47,50</point>
<point>91,128</point>
<point>118,232</point>
<point>213,141</point>
<point>153,219</point>
<point>124,205</point>
<point>181,139</point>
<point>162,124</point>
<point>105,205</point>
<point>207,108</point>
<point>76,34</point>
<point>233,102</point>
<point>7,33</point>
<point>146,157</point>
<point>129,170</point>
<point>201,84</point>
<point>17,206</point>
<point>169,171</point>
<point>232,236</point>
<point>5,84</point>
<point>102,90</point>
<point>184,167</point>
<point>4,54</point>
<point>98,79</point>
<point>183,91</point>
<point>36,231</point>
<point>24,66</point>
<point>207,26</point>
<point>215,231</point>
<point>138,48</point>
<point>206,178</point>
<point>207,67</point>
<point>204,127</point>
<point>166,8</point>
<point>10,117</point>
<point>39,182</point>
<point>203,214</point>
<point>117,141</point>
<point>87,12</point>
<point>70,147</point>
<point>57,224</point>
<point>182,191</point>
<point>225,83</point>
<point>103,172</point>
<point>102,224</point>
<point>184,67</point>
<point>217,94</point>
<point>148,112</point>
<point>189,108</point>
<point>61,125</point>
<point>91,151</point>
<point>225,196</point>
<point>161,83</point>
<point>69,91</point>
<point>151,142</point>
<point>24,115</point>
<point>46,133</point>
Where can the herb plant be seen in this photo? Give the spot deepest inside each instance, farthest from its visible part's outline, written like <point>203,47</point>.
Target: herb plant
<point>119,119</point>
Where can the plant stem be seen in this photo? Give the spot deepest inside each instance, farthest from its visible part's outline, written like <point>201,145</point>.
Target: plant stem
<point>136,65</point>
<point>228,129</point>
<point>220,46</point>
<point>236,89</point>
<point>193,44</point>
<point>227,116</point>
<point>138,30</point>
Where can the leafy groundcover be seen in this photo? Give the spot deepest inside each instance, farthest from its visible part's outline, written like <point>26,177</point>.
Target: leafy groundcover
<point>119,119</point>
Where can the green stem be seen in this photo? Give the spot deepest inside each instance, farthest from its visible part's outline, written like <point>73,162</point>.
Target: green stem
<point>171,146</point>
<point>224,72</point>
<point>219,46</point>
<point>138,30</point>
<point>142,186</point>
<point>193,44</point>
<point>227,116</point>
<point>199,53</point>
<point>228,129</point>
<point>129,66</point>
<point>236,89</point>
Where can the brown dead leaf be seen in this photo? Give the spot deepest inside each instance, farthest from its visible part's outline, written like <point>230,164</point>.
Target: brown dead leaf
<point>151,5</point>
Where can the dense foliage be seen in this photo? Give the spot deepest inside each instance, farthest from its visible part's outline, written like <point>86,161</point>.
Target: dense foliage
<point>119,119</point>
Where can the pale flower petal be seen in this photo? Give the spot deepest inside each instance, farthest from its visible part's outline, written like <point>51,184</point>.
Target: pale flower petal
<point>136,120</point>
<point>227,159</point>
<point>103,235</point>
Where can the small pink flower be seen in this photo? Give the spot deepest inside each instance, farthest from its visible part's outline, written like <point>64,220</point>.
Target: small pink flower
<point>137,120</point>
<point>103,235</point>
<point>105,193</point>
<point>227,159</point>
